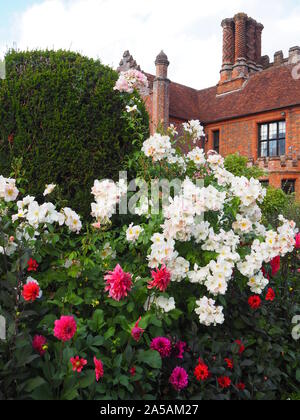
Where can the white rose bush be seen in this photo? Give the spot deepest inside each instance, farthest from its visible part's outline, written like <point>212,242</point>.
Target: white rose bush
<point>174,288</point>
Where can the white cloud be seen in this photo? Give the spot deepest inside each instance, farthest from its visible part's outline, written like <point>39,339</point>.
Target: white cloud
<point>189,33</point>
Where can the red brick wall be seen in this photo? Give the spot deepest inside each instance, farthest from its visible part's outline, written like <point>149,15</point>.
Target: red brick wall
<point>241,135</point>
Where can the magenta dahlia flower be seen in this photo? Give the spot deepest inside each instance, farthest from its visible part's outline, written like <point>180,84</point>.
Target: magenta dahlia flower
<point>137,332</point>
<point>180,349</point>
<point>39,344</point>
<point>179,379</point>
<point>162,345</point>
<point>118,283</point>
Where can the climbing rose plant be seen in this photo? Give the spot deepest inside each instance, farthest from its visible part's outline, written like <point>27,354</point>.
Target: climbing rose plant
<point>114,309</point>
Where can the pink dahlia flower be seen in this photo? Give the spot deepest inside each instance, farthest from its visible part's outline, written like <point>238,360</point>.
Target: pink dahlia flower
<point>179,379</point>
<point>161,279</point>
<point>118,283</point>
<point>65,328</point>
<point>180,348</point>
<point>137,332</point>
<point>162,345</point>
<point>39,344</point>
<point>78,364</point>
<point>99,371</point>
<point>298,241</point>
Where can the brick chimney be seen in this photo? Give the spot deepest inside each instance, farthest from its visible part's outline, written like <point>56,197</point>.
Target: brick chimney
<point>228,49</point>
<point>161,92</point>
<point>258,36</point>
<point>240,67</point>
<point>241,51</point>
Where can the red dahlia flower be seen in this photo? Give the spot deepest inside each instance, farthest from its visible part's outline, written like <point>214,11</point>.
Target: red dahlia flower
<point>99,371</point>
<point>229,363</point>
<point>65,328</point>
<point>133,371</point>
<point>241,386</point>
<point>78,364</point>
<point>161,279</point>
<point>179,379</point>
<point>254,302</point>
<point>224,382</point>
<point>136,331</point>
<point>241,346</point>
<point>32,265</point>
<point>275,264</point>
<point>39,344</point>
<point>201,371</point>
<point>270,295</point>
<point>265,273</point>
<point>31,291</point>
<point>118,283</point>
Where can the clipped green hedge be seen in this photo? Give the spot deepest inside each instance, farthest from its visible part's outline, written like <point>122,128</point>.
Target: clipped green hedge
<point>58,111</point>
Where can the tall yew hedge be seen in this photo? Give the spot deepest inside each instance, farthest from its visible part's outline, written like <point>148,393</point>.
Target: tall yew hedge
<point>58,111</point>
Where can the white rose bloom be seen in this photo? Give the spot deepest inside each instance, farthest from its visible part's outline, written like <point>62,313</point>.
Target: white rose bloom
<point>197,156</point>
<point>72,220</point>
<point>107,252</point>
<point>166,305</point>
<point>179,268</point>
<point>208,313</point>
<point>157,147</point>
<point>49,189</point>
<point>258,283</point>
<point>133,233</point>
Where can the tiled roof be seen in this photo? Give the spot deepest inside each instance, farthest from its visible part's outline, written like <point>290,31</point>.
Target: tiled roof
<point>268,90</point>
<point>271,89</point>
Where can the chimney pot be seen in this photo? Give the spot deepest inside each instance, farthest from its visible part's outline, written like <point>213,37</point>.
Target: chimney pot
<point>294,55</point>
<point>278,58</point>
<point>162,63</point>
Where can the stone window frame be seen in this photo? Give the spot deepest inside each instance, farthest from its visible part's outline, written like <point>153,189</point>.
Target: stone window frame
<point>268,140</point>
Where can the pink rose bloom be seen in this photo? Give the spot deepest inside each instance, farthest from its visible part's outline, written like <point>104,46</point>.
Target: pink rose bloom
<point>137,332</point>
<point>65,328</point>
<point>179,379</point>
<point>118,283</point>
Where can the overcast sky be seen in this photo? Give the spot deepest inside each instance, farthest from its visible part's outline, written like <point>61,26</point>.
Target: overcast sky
<point>188,31</point>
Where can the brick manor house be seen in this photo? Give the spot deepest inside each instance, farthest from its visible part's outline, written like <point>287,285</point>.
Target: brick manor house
<point>253,110</point>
